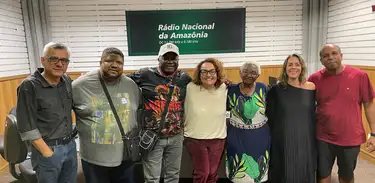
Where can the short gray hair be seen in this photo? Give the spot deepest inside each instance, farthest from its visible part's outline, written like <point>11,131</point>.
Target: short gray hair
<point>251,63</point>
<point>321,50</point>
<point>55,46</point>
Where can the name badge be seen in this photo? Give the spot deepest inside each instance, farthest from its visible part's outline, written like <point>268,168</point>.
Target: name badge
<point>124,101</point>
<point>227,114</point>
<point>99,114</point>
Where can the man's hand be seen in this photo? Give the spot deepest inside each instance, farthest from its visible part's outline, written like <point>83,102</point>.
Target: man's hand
<point>42,147</point>
<point>370,145</point>
<point>48,153</point>
<point>370,116</point>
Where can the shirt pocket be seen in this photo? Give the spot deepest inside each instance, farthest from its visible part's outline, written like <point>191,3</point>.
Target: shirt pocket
<point>47,103</point>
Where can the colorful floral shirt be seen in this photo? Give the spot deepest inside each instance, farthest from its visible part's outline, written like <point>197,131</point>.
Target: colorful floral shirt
<point>155,88</point>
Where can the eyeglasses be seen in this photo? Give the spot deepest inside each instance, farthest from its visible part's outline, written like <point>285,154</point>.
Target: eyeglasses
<point>55,60</point>
<point>206,72</point>
<point>252,73</point>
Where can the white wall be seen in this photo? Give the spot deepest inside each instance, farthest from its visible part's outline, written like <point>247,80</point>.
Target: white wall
<point>14,59</point>
<point>273,29</point>
<point>351,25</point>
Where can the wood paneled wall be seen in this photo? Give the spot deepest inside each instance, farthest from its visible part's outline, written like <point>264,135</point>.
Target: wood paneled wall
<point>8,99</point>
<point>231,72</point>
<point>364,154</point>
<point>8,87</point>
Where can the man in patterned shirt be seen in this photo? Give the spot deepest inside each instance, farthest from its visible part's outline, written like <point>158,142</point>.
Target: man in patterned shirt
<point>155,84</point>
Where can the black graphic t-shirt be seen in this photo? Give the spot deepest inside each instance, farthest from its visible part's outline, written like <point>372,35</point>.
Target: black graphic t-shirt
<point>155,88</point>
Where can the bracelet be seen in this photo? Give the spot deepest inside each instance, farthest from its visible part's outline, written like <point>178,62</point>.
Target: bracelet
<point>372,134</point>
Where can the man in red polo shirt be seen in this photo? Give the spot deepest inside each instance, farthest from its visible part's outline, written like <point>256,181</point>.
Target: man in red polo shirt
<point>340,92</point>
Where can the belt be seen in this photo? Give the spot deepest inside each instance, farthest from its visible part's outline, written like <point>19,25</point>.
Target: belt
<point>62,140</point>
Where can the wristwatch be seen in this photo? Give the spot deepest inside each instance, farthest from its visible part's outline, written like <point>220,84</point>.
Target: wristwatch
<point>372,134</point>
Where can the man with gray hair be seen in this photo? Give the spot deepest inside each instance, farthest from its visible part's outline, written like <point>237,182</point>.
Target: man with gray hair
<point>44,117</point>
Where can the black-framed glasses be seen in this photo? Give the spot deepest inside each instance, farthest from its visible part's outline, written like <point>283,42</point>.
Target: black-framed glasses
<point>205,72</point>
<point>55,60</point>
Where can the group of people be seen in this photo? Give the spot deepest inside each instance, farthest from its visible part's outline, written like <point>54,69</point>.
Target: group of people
<point>291,132</point>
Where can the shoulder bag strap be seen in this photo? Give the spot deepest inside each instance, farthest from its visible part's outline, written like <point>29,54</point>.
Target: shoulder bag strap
<point>169,97</point>
<point>112,107</point>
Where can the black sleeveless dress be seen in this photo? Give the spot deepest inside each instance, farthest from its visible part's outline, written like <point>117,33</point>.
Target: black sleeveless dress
<point>291,117</point>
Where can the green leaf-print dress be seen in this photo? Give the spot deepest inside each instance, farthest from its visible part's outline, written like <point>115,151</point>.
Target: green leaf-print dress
<point>248,138</point>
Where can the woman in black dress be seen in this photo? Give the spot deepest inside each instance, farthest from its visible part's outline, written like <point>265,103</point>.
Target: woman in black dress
<point>290,108</point>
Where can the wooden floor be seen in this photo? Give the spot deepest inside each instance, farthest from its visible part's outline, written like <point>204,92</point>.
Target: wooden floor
<point>364,173</point>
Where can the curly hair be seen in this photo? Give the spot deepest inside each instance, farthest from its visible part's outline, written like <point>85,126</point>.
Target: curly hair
<point>219,71</point>
<point>283,78</point>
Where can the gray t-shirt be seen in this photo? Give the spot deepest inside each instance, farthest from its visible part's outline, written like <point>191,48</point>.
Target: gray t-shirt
<point>100,137</point>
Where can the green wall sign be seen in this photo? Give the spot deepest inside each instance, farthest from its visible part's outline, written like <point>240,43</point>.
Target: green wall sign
<point>193,31</point>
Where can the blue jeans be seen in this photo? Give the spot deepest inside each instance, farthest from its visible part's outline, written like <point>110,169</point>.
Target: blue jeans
<point>101,174</point>
<point>61,167</point>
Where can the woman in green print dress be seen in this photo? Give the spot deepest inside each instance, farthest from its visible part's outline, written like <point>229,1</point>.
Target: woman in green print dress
<point>248,138</point>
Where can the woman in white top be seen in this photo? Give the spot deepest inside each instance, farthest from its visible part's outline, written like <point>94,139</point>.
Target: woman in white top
<point>205,125</point>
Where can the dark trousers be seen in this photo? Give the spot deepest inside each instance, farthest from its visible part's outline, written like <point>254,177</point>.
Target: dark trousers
<point>100,174</point>
<point>61,167</point>
<point>206,156</point>
<point>346,159</point>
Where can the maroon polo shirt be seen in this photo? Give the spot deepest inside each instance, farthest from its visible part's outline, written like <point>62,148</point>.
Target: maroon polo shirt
<point>339,105</point>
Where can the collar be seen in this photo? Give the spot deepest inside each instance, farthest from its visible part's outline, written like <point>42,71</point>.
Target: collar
<point>38,74</point>
<point>325,72</point>
<point>100,74</point>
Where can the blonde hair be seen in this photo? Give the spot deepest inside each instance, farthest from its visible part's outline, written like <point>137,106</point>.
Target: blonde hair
<point>283,78</point>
